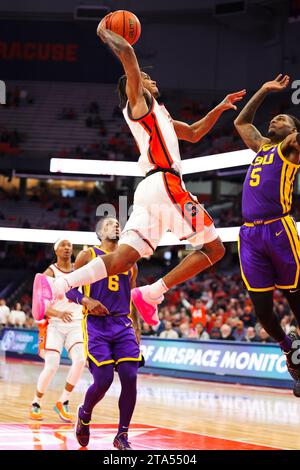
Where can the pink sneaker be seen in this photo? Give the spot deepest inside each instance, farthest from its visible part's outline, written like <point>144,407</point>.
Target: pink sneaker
<point>146,308</point>
<point>42,295</point>
<point>45,291</point>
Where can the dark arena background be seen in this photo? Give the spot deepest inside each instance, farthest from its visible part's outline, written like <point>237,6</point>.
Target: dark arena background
<point>213,378</point>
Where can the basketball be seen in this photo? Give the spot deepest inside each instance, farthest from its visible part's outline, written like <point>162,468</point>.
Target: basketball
<point>124,23</point>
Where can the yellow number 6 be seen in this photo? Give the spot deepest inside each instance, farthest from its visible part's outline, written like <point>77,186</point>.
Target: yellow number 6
<point>113,283</point>
<point>255,177</point>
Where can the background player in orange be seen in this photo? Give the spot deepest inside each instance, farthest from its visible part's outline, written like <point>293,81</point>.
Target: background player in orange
<point>61,328</point>
<point>161,201</point>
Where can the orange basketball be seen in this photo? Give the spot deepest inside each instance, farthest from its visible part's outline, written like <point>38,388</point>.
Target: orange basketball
<point>124,23</point>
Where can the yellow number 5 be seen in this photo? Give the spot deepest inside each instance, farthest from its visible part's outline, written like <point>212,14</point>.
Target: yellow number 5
<point>113,283</point>
<point>255,177</point>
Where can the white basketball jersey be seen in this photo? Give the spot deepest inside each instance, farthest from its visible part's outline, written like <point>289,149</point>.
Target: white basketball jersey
<point>65,305</point>
<point>156,138</point>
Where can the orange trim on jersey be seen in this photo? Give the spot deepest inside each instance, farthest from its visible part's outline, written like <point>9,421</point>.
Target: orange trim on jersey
<point>142,117</point>
<point>158,153</point>
<point>182,200</point>
<point>158,150</point>
<point>77,342</point>
<point>64,272</point>
<point>49,267</point>
<point>142,236</point>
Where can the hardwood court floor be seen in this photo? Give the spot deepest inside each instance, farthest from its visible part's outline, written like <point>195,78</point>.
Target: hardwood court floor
<point>170,414</point>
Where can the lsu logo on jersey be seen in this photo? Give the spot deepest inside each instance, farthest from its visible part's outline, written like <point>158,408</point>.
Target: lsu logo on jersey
<point>267,159</point>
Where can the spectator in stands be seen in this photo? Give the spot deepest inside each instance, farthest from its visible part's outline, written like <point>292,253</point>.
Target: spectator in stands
<point>17,317</point>
<point>94,107</point>
<point>201,332</point>
<point>147,330</point>
<point>169,332</point>
<point>264,337</point>
<point>4,313</point>
<point>226,333</point>
<point>184,330</point>
<point>286,324</point>
<point>210,321</point>
<point>198,311</point>
<point>215,332</point>
<point>248,318</point>
<point>239,331</point>
<point>30,322</point>
<point>251,335</point>
<point>68,113</point>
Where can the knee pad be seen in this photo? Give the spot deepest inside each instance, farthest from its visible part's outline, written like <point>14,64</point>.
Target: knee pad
<point>77,354</point>
<point>52,359</point>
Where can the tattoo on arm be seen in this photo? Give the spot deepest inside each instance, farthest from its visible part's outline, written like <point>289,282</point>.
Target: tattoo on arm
<point>116,43</point>
<point>247,114</point>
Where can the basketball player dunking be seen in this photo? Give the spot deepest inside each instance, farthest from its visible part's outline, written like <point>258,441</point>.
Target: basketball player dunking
<point>110,339</point>
<point>269,245</point>
<point>161,201</point>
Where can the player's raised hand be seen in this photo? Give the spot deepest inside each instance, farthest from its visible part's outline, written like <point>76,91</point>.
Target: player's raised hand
<point>102,26</point>
<point>95,307</point>
<point>280,83</point>
<point>229,100</point>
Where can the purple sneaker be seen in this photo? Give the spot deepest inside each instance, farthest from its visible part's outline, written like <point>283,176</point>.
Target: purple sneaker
<point>121,441</point>
<point>82,430</point>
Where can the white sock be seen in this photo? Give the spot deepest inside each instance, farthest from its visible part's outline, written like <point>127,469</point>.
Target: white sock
<point>64,396</point>
<point>157,289</point>
<point>94,271</point>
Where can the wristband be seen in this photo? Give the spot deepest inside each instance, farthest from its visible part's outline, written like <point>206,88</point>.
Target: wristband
<point>75,296</point>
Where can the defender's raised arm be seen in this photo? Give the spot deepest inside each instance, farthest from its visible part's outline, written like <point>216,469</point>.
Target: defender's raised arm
<point>244,122</point>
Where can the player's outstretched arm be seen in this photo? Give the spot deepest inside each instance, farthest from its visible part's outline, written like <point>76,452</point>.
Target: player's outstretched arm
<point>197,130</point>
<point>244,122</point>
<point>123,50</point>
<point>95,307</point>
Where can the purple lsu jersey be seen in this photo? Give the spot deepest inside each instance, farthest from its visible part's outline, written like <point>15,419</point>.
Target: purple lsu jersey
<point>110,339</point>
<point>268,186</point>
<point>107,288</point>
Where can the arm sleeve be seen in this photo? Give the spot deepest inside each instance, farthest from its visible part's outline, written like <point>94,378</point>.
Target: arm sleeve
<point>75,296</point>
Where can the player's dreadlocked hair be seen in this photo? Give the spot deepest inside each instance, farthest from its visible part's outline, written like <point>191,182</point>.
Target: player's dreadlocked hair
<point>295,121</point>
<point>122,88</point>
<point>122,91</point>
